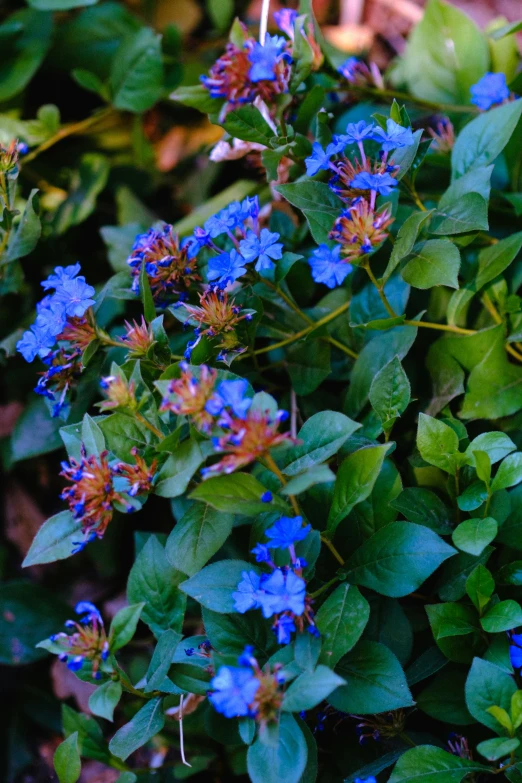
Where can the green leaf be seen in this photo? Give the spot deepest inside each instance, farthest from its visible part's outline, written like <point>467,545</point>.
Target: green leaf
<point>474,535</point>
<point>221,13</point>
<point>503,616</point>
<point>511,574</point>
<point>423,507</point>
<point>284,760</point>
<point>375,681</point>
<point>469,213</point>
<point>516,709</point>
<point>308,365</point>
<point>316,201</point>
<point>427,763</point>
<point>405,240</point>
<point>154,580</point>
<point>494,259</point>
<point>55,540</point>
<point>397,559</point>
<point>178,470</point>
<point>28,231</point>
<point>123,625</point>
<point>319,474</point>
<point>443,699</point>
<point>161,659</point>
<point>103,700</point>
<point>498,748</point>
<point>29,612</point>
<point>390,392</point>
<point>239,494</point>
<point>87,182</point>
<point>496,445</point>
<point>248,123</point>
<point>92,436</point>
<point>484,138</point>
<point>231,633</point>
<point>91,742</point>
<point>149,308</point>
<point>509,472</point>
<point>66,760</point>
<point>431,263</point>
<point>488,685</point>
<point>136,78</point>
<point>147,722</point>
<point>321,436</point>
<point>24,53</point>
<point>197,97</point>
<point>480,586</point>
<point>451,619</point>
<point>199,534</point>
<point>213,586</point>
<point>341,620</point>
<point>437,443</point>
<point>310,688</point>
<point>355,480</point>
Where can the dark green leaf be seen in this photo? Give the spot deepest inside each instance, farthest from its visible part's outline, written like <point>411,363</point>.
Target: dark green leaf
<point>55,540</point>
<point>473,535</point>
<point>427,763</point>
<point>147,722</point>
<point>213,586</point>
<point>123,625</point>
<point>310,688</point>
<point>136,78</point>
<point>248,123</point>
<point>67,760</point>
<point>423,507</point>
<point>199,534</point>
<point>503,616</point>
<point>488,685</point>
<point>285,760</point>
<point>484,138</point>
<point>239,494</point>
<point>103,700</point>
<point>341,621</point>
<point>431,263</point>
<point>321,436</point>
<point>318,204</point>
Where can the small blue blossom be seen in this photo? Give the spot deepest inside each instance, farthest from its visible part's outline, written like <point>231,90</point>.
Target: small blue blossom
<point>75,296</point>
<point>232,395</point>
<point>356,132</point>
<point>319,160</point>
<point>349,68</point>
<point>371,779</point>
<point>200,239</point>
<point>89,612</point>
<point>51,320</point>
<point>265,248</point>
<point>381,183</point>
<point>261,553</point>
<point>327,266</point>
<point>219,224</point>
<point>286,532</point>
<point>234,690</point>
<point>515,650</point>
<point>250,207</point>
<point>246,596</point>
<point>267,497</point>
<point>247,656</point>
<point>285,19</point>
<point>489,91</point>
<point>265,57</point>
<point>189,651</point>
<point>394,137</point>
<point>61,274</point>
<point>28,346</point>
<point>283,592</point>
<point>226,268</point>
<point>283,628</point>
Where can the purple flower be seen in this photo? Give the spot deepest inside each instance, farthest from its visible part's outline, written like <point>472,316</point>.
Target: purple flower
<point>231,394</point>
<point>285,19</point>
<point>234,690</point>
<point>381,183</point>
<point>221,223</point>
<point>246,596</point>
<point>283,592</point>
<point>394,137</point>
<point>89,612</point>
<point>327,266</point>
<point>264,58</point>
<point>250,207</point>
<point>286,532</point>
<point>261,553</point>
<point>489,90</point>
<point>61,274</point>
<point>349,68</point>
<point>356,132</point>
<point>75,296</point>
<point>226,268</point>
<point>264,248</point>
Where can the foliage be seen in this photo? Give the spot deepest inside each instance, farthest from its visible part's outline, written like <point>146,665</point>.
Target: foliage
<point>295,378</point>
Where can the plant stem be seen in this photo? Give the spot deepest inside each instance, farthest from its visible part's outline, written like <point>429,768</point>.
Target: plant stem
<point>444,108</point>
<point>380,290</point>
<point>324,587</point>
<point>441,327</point>
<point>271,465</point>
<point>149,426</point>
<point>68,130</point>
<point>332,549</point>
<point>297,336</point>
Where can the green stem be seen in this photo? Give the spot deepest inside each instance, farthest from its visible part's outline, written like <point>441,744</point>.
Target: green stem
<point>444,108</point>
<point>149,426</point>
<point>380,290</point>
<point>324,587</point>
<point>272,465</point>
<point>68,130</point>
<point>326,541</point>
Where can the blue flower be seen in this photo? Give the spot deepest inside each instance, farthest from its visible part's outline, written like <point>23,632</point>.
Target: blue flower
<point>232,395</point>
<point>61,274</point>
<point>267,497</point>
<point>327,266</point>
<point>356,132</point>
<point>264,248</point>
<point>89,612</point>
<point>246,596</point>
<point>371,779</point>
<point>282,592</point>
<point>247,656</point>
<point>515,651</point>
<point>284,627</point>
<point>51,320</point>
<point>489,90</point>
<point>234,690</point>
<point>261,553</point>
<point>264,58</point>
<point>381,183</point>
<point>28,346</point>
<point>219,224</point>
<point>394,137</point>
<point>75,295</point>
<point>287,531</point>
<point>319,160</point>
<point>226,268</point>
<point>349,68</point>
<point>250,207</point>
<point>285,19</point>
<point>200,239</point>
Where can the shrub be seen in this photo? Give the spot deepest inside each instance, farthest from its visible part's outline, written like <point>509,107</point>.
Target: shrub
<point>319,367</point>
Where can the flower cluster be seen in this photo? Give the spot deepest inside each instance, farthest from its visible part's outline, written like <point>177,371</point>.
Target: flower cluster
<point>358,181</point>
<point>60,317</point>
<point>459,746</point>
<point>169,268</point>
<point>216,316</point>
<point>88,642</point>
<point>280,594</point>
<point>490,91</point>
<point>121,393</point>
<point>138,339</point>
<point>247,690</point>
<point>356,72</point>
<point>443,136</point>
<point>189,396</point>
<point>93,490</point>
